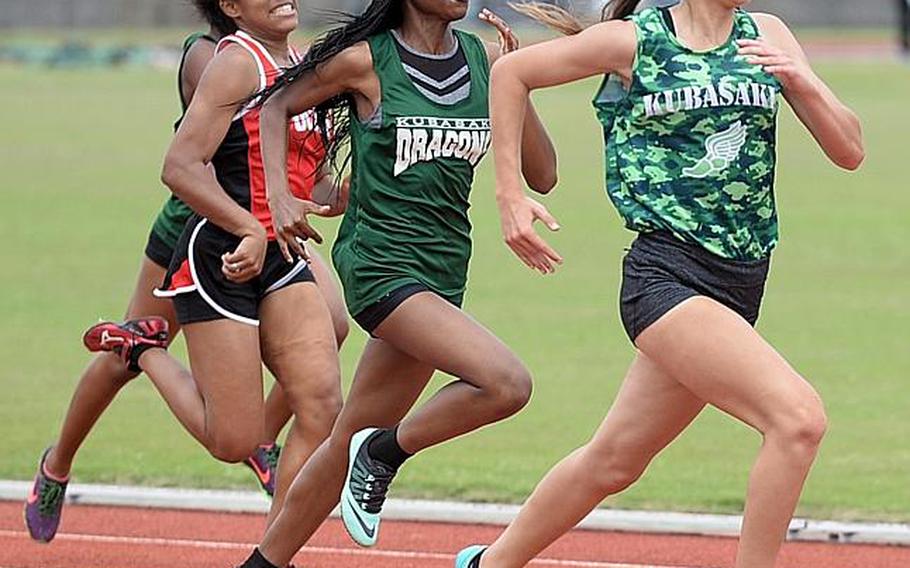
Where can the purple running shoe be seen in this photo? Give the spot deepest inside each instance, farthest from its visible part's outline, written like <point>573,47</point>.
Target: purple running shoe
<point>44,505</point>
<point>264,463</point>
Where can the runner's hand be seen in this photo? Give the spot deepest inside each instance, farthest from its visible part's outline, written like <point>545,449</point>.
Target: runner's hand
<point>508,41</point>
<point>517,217</point>
<point>246,262</point>
<point>289,217</point>
<point>795,75</point>
<point>334,194</point>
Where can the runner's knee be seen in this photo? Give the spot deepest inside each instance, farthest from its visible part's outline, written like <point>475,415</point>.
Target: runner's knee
<point>320,409</point>
<point>801,425</point>
<point>311,383</point>
<point>510,387</point>
<point>234,447</point>
<point>615,477</point>
<point>114,367</point>
<point>313,389</point>
<point>802,429</point>
<point>610,470</point>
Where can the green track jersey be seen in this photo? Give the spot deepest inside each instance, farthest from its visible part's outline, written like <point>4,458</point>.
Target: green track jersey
<point>412,171</point>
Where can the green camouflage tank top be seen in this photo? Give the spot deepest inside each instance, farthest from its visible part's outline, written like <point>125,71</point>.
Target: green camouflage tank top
<point>691,146</point>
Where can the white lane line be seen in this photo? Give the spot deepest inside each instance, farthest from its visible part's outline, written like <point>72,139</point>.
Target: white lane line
<point>325,550</point>
<point>653,522</point>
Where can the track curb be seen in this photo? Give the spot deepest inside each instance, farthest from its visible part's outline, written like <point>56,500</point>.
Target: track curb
<point>471,513</point>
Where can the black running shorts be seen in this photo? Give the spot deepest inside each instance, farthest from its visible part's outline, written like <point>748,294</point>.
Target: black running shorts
<point>661,271</point>
<point>158,251</point>
<point>200,290</point>
<point>370,318</point>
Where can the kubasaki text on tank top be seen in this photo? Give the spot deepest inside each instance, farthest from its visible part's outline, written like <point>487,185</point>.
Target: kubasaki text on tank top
<point>727,93</point>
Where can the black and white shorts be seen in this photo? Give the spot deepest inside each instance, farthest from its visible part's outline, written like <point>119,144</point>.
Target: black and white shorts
<point>200,290</point>
<point>661,271</point>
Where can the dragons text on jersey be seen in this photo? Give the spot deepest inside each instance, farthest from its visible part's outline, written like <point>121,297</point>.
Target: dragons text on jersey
<point>424,139</point>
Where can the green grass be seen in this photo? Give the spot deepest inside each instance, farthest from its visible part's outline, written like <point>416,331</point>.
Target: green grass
<point>80,166</point>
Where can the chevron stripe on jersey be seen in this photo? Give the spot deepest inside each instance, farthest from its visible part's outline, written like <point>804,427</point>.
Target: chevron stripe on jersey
<point>444,79</point>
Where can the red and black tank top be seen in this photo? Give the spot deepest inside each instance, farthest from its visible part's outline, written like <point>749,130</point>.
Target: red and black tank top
<point>238,161</point>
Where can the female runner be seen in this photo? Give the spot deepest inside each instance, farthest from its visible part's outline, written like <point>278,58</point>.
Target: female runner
<point>691,168</point>
<point>107,374</point>
<point>417,94</point>
<point>239,302</point>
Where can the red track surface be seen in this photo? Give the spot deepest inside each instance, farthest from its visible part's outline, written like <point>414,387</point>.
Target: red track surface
<point>100,537</point>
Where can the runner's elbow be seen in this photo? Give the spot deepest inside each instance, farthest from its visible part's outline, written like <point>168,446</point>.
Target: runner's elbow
<point>173,171</point>
<point>851,158</point>
<point>543,183</point>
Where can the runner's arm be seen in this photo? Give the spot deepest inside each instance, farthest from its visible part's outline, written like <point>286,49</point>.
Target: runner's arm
<point>349,72</point>
<point>333,192</point>
<point>834,126</point>
<point>201,54</point>
<point>230,77</point>
<point>538,155</point>
<point>604,48</point>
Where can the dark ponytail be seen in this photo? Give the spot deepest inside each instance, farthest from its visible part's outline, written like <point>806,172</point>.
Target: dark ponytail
<point>335,114</point>
<point>210,11</point>
<point>565,22</point>
<point>620,9</point>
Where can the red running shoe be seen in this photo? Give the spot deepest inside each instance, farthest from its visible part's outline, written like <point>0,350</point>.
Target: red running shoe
<point>129,339</point>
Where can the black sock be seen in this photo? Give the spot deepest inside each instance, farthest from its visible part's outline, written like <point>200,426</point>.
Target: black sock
<point>133,363</point>
<point>384,447</point>
<point>257,560</point>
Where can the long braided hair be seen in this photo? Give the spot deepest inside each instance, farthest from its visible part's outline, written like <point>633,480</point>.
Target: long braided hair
<point>564,21</point>
<point>210,10</point>
<point>335,114</point>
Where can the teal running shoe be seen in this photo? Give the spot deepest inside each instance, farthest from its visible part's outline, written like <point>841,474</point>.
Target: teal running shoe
<point>470,557</point>
<point>365,490</point>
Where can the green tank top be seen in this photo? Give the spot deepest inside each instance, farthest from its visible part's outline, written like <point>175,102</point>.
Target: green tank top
<point>412,170</point>
<point>691,144</point>
<point>172,218</point>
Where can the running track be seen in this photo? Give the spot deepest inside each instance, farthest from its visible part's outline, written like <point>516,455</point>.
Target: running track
<point>102,537</point>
